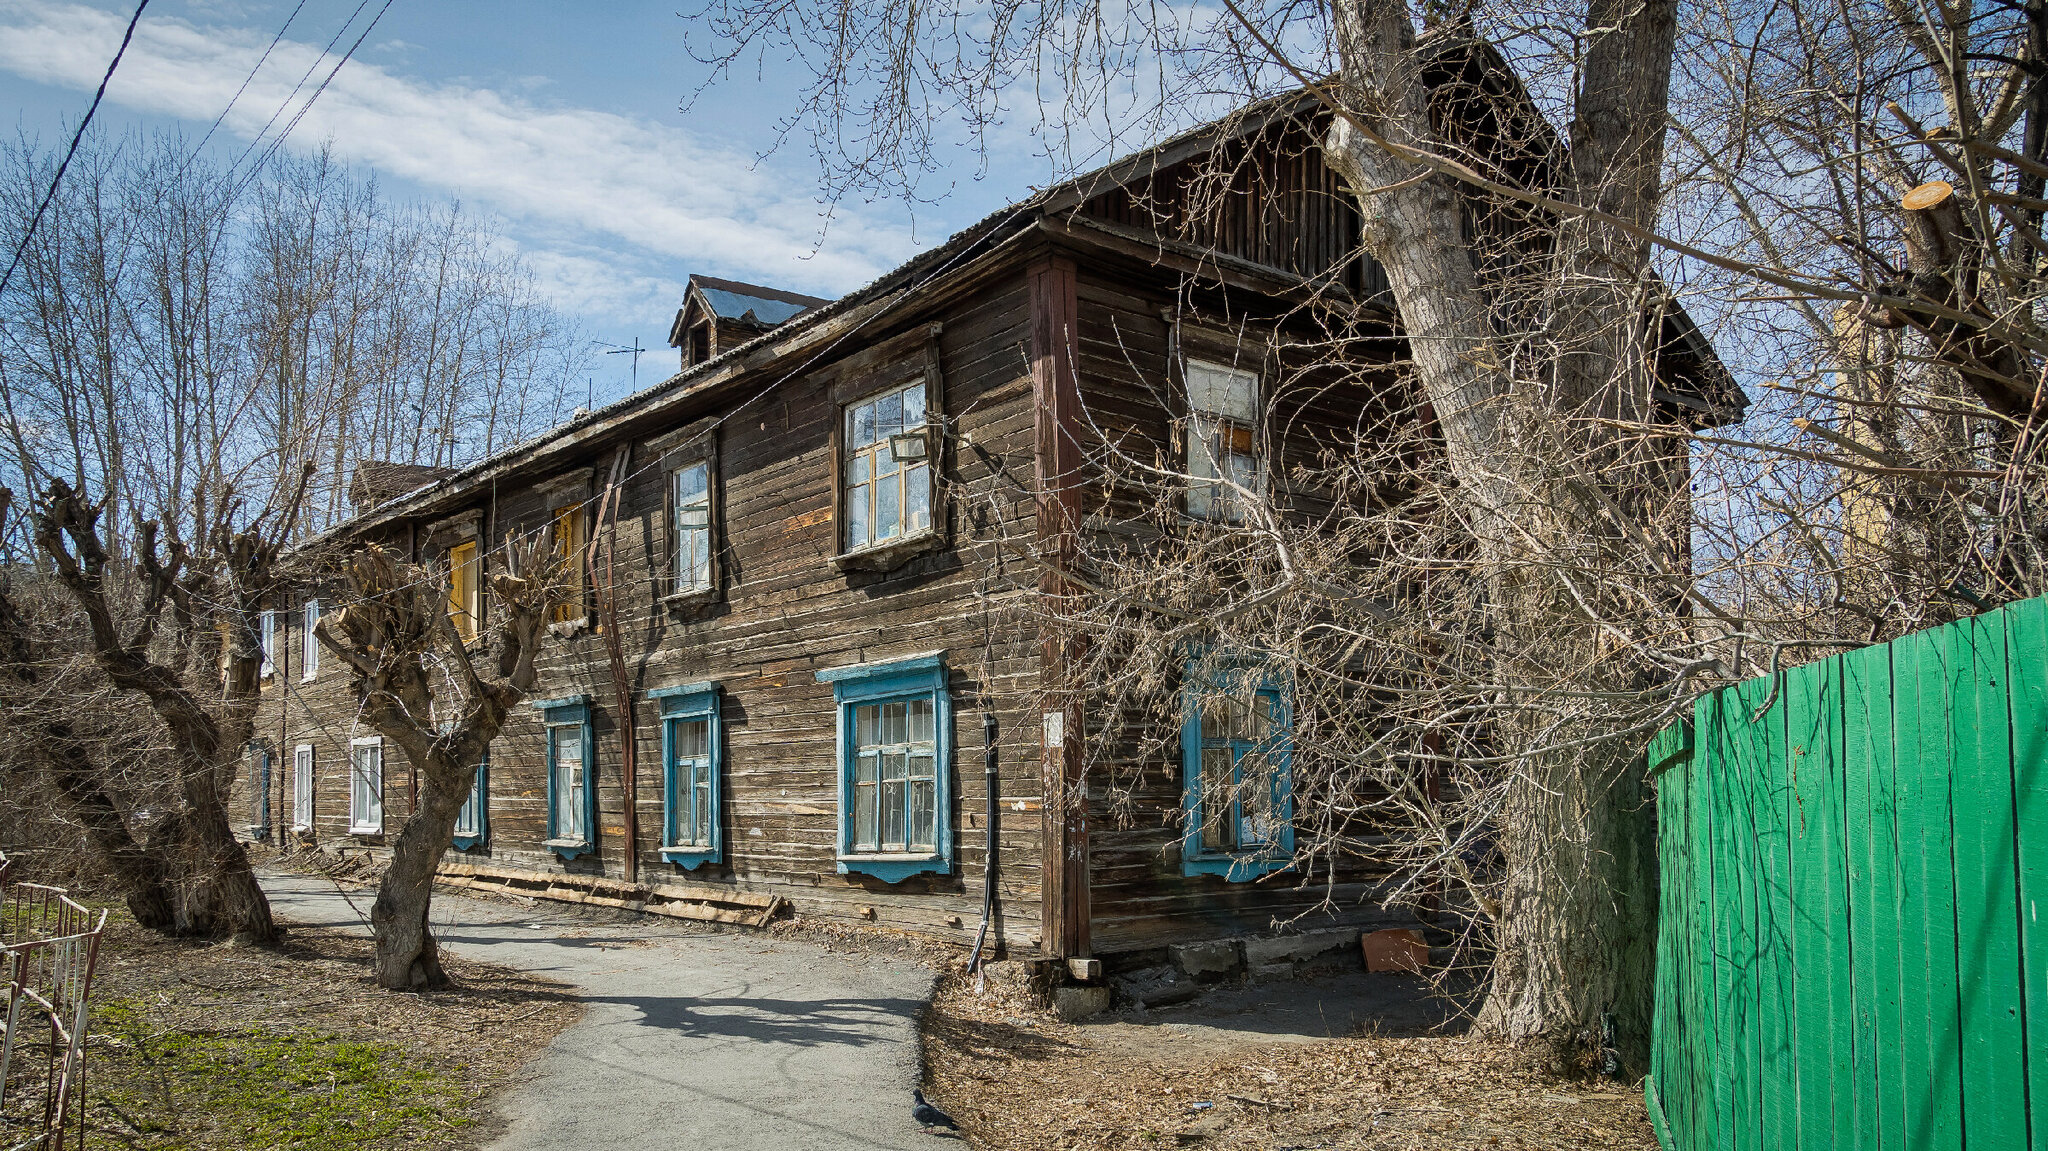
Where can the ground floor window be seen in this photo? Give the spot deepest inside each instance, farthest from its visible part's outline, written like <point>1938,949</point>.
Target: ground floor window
<point>690,754</point>
<point>894,750</point>
<point>572,784</point>
<point>302,787</point>
<point>1236,782</point>
<point>366,786</point>
<point>472,823</point>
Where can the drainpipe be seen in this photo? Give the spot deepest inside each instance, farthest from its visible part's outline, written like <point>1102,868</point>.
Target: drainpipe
<point>988,860</point>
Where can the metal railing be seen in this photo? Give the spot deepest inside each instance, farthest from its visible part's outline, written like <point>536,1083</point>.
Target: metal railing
<point>49,945</point>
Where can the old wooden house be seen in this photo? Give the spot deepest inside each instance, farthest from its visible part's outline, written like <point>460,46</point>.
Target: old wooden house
<point>829,698</point>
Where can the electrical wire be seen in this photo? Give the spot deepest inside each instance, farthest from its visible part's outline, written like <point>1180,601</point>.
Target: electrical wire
<point>77,136</point>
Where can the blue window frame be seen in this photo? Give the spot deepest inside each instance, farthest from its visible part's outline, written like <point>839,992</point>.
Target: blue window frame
<point>692,758</point>
<point>572,775</point>
<point>473,822</point>
<point>894,755</point>
<point>1237,785</point>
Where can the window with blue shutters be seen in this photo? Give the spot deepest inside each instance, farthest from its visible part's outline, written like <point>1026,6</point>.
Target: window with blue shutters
<point>1237,791</point>
<point>894,753</point>
<point>473,822</point>
<point>572,775</point>
<point>692,753</point>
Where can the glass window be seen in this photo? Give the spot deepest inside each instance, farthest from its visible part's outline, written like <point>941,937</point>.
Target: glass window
<point>1222,458</point>
<point>472,822</point>
<point>566,530</point>
<point>1237,787</point>
<point>366,786</point>
<point>465,603</point>
<point>267,637</point>
<point>690,747</point>
<point>302,787</point>
<point>894,736</point>
<point>690,781</point>
<point>565,752</point>
<point>311,656</point>
<point>693,527</point>
<point>259,791</point>
<point>887,473</point>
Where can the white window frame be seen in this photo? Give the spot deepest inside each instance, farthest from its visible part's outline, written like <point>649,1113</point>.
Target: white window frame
<point>861,494</point>
<point>362,784</point>
<point>1220,411</point>
<point>303,766</point>
<point>266,627</point>
<point>691,545</point>
<point>310,657</point>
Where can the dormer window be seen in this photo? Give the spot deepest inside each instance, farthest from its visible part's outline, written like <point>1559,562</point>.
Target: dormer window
<point>700,343</point>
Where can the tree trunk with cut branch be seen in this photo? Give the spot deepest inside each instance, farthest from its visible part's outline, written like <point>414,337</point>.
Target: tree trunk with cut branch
<point>392,620</point>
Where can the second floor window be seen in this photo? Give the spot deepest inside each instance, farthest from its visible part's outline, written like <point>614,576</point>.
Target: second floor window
<point>888,479</point>
<point>465,601</point>
<point>566,533</point>
<point>310,657</point>
<point>693,528</point>
<point>1222,460</point>
<point>267,637</point>
<point>366,786</point>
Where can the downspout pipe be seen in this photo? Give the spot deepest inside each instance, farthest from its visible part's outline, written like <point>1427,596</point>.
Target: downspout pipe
<point>988,859</point>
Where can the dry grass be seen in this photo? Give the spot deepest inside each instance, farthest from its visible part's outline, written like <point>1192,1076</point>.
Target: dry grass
<point>205,1046</point>
<point>1020,1081</point>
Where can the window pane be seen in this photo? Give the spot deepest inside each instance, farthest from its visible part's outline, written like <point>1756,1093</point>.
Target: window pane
<point>1222,391</point>
<point>895,726</point>
<point>692,483</point>
<point>1216,798</point>
<point>861,466</point>
<point>923,815</point>
<point>888,508</point>
<point>1255,786</point>
<point>920,720</point>
<point>888,415</point>
<point>857,514</point>
<point>866,725</point>
<point>913,406</point>
<point>1215,718</point>
<point>703,838</point>
<point>917,498</point>
<point>863,429</point>
<point>892,810</point>
<point>692,738</point>
<point>893,766</point>
<point>865,802</point>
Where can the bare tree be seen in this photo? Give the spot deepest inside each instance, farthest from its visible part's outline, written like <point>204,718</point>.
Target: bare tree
<point>417,682</point>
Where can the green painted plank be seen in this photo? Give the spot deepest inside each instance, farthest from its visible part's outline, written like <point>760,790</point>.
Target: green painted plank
<point>1821,1008</point>
<point>1771,807</point>
<point>1987,896</point>
<point>1872,840</point>
<point>1670,1037</point>
<point>2026,632</point>
<point>1922,736</point>
<point>1709,1128</point>
<point>2027,654</point>
<point>1737,1088</point>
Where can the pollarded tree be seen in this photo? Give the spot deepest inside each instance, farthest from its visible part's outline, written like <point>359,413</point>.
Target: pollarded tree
<point>418,682</point>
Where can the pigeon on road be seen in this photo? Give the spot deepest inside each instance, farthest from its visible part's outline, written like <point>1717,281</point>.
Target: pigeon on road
<point>928,1116</point>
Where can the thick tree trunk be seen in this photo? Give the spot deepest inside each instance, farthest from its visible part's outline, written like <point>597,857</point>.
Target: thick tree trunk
<point>1575,930</point>
<point>138,872</point>
<point>406,955</point>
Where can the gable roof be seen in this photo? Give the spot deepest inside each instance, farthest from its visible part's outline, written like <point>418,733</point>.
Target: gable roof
<point>816,321</point>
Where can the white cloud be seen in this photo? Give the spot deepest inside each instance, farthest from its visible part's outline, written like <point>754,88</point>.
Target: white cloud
<point>652,192</point>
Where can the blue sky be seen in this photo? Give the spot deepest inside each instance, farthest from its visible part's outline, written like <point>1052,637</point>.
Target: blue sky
<point>559,120</point>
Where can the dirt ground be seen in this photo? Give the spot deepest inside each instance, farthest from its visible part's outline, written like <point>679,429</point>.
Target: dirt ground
<point>1343,1060</point>
<point>208,1045</point>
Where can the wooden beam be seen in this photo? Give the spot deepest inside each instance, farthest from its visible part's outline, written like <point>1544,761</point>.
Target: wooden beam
<point>1055,350</point>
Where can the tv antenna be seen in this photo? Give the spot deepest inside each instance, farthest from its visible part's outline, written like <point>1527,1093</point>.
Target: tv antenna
<point>622,350</point>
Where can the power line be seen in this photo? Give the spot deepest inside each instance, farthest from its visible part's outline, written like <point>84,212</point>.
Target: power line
<point>77,136</point>
<point>250,78</point>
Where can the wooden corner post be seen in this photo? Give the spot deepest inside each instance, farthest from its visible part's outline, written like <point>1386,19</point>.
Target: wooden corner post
<point>1057,402</point>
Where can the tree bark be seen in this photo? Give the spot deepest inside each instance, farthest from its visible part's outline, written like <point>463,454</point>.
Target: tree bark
<point>407,957</point>
<point>1575,927</point>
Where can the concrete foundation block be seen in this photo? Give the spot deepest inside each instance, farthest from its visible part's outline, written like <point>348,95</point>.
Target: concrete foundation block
<point>1155,986</point>
<point>1072,1003</point>
<point>1296,948</point>
<point>1208,962</point>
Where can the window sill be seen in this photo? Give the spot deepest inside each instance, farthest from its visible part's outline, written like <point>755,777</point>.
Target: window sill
<point>568,628</point>
<point>893,554</point>
<point>568,848</point>
<point>683,601</point>
<point>466,842</point>
<point>893,868</point>
<point>366,832</point>
<point>1235,868</point>
<point>691,858</point>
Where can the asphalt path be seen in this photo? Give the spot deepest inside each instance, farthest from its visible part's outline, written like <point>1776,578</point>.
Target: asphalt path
<point>720,1041</point>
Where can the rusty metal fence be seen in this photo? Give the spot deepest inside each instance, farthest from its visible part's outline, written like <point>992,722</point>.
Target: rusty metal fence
<point>49,944</point>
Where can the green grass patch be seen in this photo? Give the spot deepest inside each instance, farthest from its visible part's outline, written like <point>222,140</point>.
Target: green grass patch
<point>258,1087</point>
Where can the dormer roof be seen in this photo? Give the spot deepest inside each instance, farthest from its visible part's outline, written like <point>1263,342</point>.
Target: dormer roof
<point>732,302</point>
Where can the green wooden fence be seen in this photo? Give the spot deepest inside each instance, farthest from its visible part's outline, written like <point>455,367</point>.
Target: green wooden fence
<point>1853,949</point>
